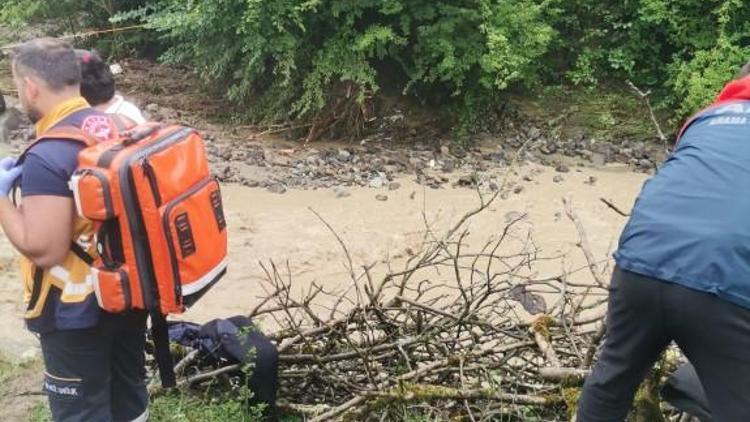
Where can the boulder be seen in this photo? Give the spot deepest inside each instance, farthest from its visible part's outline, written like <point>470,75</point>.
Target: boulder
<point>10,120</point>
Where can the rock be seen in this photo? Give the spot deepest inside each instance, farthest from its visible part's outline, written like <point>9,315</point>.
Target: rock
<point>458,152</point>
<point>591,181</point>
<point>115,68</point>
<point>277,188</point>
<point>10,121</point>
<point>394,186</point>
<point>645,164</point>
<point>548,149</point>
<point>381,197</point>
<point>412,195</point>
<point>558,179</point>
<point>341,193</point>
<point>449,166</point>
<point>531,302</point>
<point>494,156</point>
<point>465,181</point>
<point>417,163</point>
<point>534,132</point>
<point>344,155</point>
<point>391,169</point>
<point>152,108</point>
<point>494,187</point>
<point>598,159</point>
<point>528,178</point>
<point>227,172</point>
<point>376,182</point>
<point>518,189</point>
<point>562,168</point>
<point>251,183</point>
<point>444,150</point>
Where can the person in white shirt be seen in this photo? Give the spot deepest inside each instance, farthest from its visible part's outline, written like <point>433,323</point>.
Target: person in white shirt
<point>98,88</point>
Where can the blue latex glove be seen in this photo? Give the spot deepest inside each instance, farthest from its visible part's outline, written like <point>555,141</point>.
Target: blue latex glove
<point>9,172</point>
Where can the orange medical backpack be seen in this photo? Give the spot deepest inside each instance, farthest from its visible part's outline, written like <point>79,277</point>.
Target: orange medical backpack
<point>161,233</point>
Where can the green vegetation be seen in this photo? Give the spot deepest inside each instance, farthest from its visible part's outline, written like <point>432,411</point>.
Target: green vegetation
<point>40,413</point>
<point>292,59</point>
<point>178,407</point>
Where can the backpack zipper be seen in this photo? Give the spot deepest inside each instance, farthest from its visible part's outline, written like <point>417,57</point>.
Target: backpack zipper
<point>148,171</point>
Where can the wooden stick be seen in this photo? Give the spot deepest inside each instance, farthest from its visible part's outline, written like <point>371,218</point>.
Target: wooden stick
<point>614,207</point>
<point>644,96</point>
<point>419,392</point>
<point>584,243</point>
<point>564,375</point>
<point>547,350</point>
<point>338,410</point>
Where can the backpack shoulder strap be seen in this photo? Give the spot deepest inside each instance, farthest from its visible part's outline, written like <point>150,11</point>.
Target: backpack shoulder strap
<point>122,123</point>
<point>69,133</point>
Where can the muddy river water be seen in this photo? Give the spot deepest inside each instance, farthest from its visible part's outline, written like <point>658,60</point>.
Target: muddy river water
<point>265,226</point>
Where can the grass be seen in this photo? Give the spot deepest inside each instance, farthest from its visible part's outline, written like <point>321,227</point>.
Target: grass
<point>7,369</point>
<point>178,407</point>
<point>603,112</point>
<point>40,413</point>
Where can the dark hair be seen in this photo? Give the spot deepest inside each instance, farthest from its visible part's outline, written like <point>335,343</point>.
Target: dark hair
<point>97,81</point>
<point>49,59</point>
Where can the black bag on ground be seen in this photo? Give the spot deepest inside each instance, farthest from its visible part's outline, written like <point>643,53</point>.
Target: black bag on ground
<point>224,342</point>
<point>684,391</point>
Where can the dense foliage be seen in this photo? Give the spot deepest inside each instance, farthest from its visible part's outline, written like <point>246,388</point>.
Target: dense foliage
<point>290,58</point>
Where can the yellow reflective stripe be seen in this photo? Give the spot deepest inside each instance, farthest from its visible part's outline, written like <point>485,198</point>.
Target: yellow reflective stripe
<point>43,293</point>
<point>70,287</point>
<point>72,292</point>
<point>73,268</point>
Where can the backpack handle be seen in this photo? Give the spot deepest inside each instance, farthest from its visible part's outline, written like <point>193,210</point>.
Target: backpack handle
<point>140,133</point>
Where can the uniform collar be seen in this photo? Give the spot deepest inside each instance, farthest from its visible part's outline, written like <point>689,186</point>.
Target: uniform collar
<point>61,111</point>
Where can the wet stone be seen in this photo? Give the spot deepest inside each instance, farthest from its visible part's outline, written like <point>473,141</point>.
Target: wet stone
<point>341,193</point>
<point>562,168</point>
<point>277,188</point>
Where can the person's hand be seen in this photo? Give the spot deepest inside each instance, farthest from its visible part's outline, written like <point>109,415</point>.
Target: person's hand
<point>9,172</point>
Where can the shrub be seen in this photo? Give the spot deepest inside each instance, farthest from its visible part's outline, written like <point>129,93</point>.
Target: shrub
<point>290,59</point>
<point>294,53</point>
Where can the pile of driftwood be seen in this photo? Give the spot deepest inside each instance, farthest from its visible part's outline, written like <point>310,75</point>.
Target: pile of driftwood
<point>459,330</point>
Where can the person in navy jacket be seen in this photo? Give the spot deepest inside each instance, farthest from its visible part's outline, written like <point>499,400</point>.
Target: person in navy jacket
<point>683,269</point>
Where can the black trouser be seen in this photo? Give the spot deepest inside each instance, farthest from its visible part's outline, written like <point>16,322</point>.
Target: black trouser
<point>97,374</point>
<point>644,316</point>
